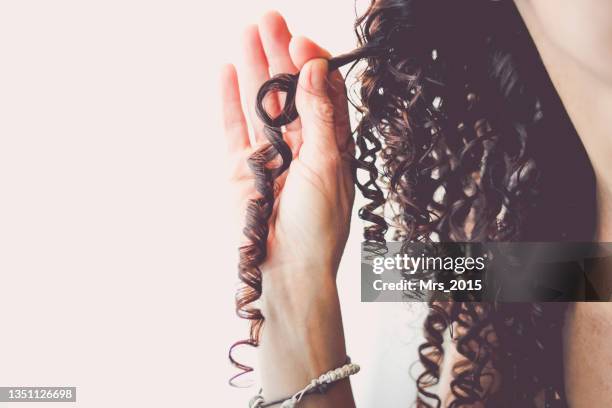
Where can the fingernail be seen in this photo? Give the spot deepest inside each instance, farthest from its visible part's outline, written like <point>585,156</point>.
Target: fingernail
<point>318,75</point>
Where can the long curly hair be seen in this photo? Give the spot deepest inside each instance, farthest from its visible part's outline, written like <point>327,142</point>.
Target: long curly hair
<point>461,138</point>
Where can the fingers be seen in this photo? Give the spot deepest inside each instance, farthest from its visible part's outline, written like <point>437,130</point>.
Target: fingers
<point>302,50</point>
<point>317,113</point>
<point>270,47</point>
<point>275,37</point>
<point>256,74</point>
<point>234,123</point>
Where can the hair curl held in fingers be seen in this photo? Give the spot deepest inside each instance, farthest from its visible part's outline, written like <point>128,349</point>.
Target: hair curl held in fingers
<point>267,164</point>
<point>462,138</point>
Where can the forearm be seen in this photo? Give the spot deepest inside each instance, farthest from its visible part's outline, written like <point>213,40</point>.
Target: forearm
<point>302,339</point>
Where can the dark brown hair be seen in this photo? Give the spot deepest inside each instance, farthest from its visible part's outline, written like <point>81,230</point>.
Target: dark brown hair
<point>463,132</point>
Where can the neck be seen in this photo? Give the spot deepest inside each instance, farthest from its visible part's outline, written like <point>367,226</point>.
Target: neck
<point>588,101</point>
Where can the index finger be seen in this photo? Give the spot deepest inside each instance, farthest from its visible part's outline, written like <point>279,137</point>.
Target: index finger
<point>302,50</point>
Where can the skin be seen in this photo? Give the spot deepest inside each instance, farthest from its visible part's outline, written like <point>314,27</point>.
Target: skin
<point>303,335</point>
<point>575,42</point>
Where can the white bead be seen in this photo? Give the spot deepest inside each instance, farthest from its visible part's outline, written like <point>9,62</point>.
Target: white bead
<point>290,403</point>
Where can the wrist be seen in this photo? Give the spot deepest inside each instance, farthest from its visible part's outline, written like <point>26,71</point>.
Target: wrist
<point>289,290</point>
<point>303,325</point>
<point>302,336</point>
<point>303,312</point>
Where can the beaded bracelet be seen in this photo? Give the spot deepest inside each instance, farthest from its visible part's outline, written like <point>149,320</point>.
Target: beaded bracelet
<point>319,385</point>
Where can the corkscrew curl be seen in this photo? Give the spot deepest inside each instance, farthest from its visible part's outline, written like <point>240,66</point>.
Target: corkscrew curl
<point>474,145</point>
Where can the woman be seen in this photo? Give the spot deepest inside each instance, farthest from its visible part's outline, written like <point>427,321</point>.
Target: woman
<point>491,101</point>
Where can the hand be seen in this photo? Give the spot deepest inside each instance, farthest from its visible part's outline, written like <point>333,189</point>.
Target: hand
<point>310,222</point>
<point>303,335</point>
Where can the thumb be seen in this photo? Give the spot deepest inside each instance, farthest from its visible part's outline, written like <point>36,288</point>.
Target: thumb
<point>316,109</point>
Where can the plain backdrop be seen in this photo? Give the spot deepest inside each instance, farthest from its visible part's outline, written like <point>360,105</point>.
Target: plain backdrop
<point>116,275</point>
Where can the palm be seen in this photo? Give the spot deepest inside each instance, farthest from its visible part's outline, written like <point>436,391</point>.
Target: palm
<point>306,203</point>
